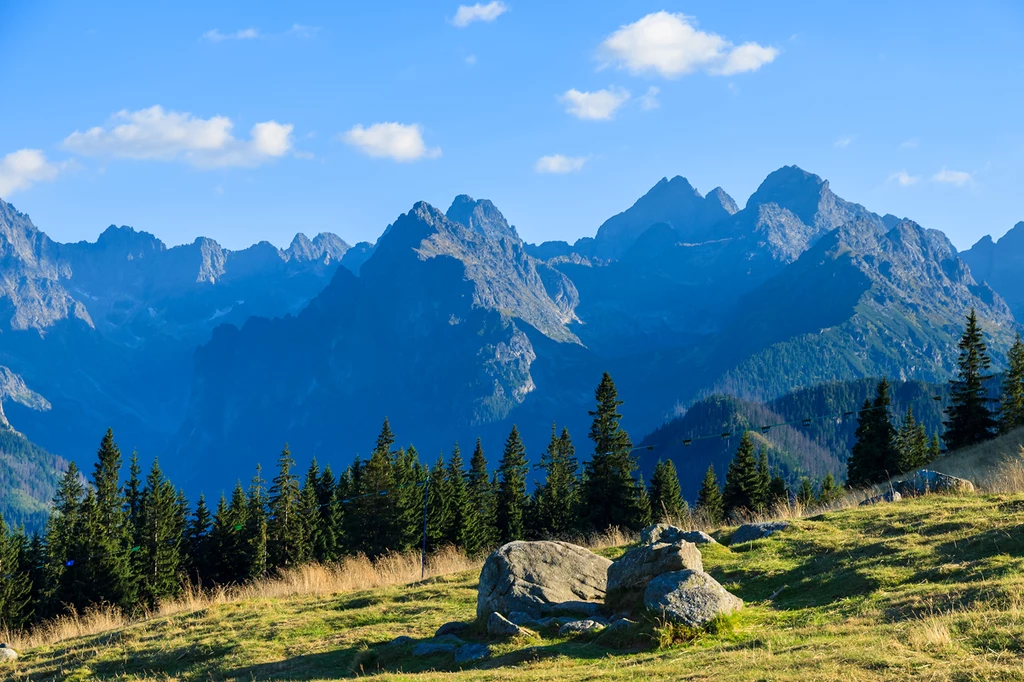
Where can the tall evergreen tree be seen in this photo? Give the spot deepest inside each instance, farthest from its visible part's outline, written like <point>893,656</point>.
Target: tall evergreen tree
<point>1011,408</point>
<point>409,480</point>
<point>762,496</point>
<point>159,539</point>
<point>557,499</point>
<point>644,515</point>
<point>15,586</point>
<point>286,541</point>
<point>326,546</point>
<point>609,489</point>
<point>375,509</point>
<point>778,492</point>
<point>63,531</point>
<point>911,443</point>
<point>830,492</point>
<point>198,545</point>
<point>512,500</point>
<point>742,481</point>
<point>133,491</point>
<point>970,420</point>
<point>309,514</point>
<point>483,532</point>
<point>874,456</point>
<point>805,493</point>
<point>438,507</point>
<point>709,498</point>
<point>667,501</point>
<point>456,491</point>
<point>257,526</point>
<point>934,448</point>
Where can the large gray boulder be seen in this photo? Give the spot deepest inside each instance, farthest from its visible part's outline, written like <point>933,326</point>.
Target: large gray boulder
<point>691,598</point>
<point>888,496</point>
<point>542,578</point>
<point>630,574</point>
<point>663,532</point>
<point>749,532</point>
<point>926,481</point>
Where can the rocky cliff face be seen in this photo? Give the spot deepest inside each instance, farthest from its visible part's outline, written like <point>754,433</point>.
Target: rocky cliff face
<point>1001,265</point>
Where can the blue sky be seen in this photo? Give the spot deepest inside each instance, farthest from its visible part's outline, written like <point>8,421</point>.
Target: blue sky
<point>244,121</point>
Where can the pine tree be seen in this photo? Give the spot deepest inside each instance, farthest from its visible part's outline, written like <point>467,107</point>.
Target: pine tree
<point>642,500</point>
<point>159,539</point>
<point>805,493</point>
<point>15,586</point>
<point>438,507</point>
<point>257,527</point>
<point>742,481</point>
<point>874,456</point>
<point>197,543</point>
<point>557,499</point>
<point>375,510</point>
<point>667,503</point>
<point>410,478</point>
<point>234,550</point>
<point>326,547</point>
<point>970,420</point>
<point>778,492</point>
<point>1011,408</point>
<point>309,514</point>
<point>709,498</point>
<point>761,497</point>
<point>62,533</point>
<point>456,491</point>
<point>286,541</point>
<point>934,448</point>
<point>609,490</point>
<point>133,490</point>
<point>830,492</point>
<point>483,532</point>
<point>911,443</point>
<point>512,500</point>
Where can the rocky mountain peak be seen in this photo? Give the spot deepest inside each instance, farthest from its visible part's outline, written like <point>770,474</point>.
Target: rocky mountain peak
<point>720,197</point>
<point>482,216</point>
<point>793,188</point>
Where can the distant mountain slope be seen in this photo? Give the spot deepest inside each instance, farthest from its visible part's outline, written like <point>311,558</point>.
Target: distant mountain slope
<point>28,479</point>
<point>1001,264</point>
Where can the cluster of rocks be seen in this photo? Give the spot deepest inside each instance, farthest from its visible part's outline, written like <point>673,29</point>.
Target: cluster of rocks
<point>919,483</point>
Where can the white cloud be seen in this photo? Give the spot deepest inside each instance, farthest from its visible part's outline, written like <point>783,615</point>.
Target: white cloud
<point>300,31</point>
<point>156,134</point>
<point>599,105</point>
<point>21,169</point>
<point>904,179</point>
<point>649,100</point>
<point>558,163</point>
<point>215,36</point>
<point>402,143</point>
<point>669,44</point>
<point>843,142</point>
<point>467,14</point>
<point>952,177</point>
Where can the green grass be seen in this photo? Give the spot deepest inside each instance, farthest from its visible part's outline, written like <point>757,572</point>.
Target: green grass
<point>931,588</point>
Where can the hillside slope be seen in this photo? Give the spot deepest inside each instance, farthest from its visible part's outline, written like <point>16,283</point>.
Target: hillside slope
<point>932,587</point>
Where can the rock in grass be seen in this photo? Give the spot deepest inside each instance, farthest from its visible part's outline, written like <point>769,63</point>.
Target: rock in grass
<point>926,481</point>
<point>7,653</point>
<point>499,626</point>
<point>525,620</point>
<point>469,653</point>
<point>578,627</point>
<point>400,640</point>
<point>691,598</point>
<point>749,532</point>
<point>620,624</point>
<point>532,577</point>
<point>430,648</point>
<point>630,574</point>
<point>452,628</point>
<point>665,533</point>
<point>887,496</point>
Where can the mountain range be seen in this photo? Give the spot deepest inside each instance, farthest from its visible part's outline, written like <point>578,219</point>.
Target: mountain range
<point>455,328</point>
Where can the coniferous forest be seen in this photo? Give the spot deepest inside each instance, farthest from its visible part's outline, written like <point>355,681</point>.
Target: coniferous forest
<point>121,536</point>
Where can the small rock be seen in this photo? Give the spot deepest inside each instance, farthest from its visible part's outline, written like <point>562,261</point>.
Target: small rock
<point>430,648</point>
<point>453,628</point>
<point>525,620</point>
<point>8,654</point>
<point>926,481</point>
<point>692,598</point>
<point>887,496</point>
<point>629,575</point>
<point>578,627</point>
<point>469,653</point>
<point>621,624</point>
<point>749,532</point>
<point>499,626</point>
<point>664,533</point>
<point>556,621</point>
<point>400,640</point>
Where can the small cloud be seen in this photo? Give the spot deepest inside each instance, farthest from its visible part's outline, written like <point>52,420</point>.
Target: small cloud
<point>904,179</point>
<point>402,143</point>
<point>599,105</point>
<point>300,31</point>
<point>557,163</point>
<point>671,45</point>
<point>952,177</point>
<point>159,135</point>
<point>467,14</point>
<point>843,142</point>
<point>471,59</point>
<point>215,36</point>
<point>912,143</point>
<point>649,100</point>
<point>23,168</point>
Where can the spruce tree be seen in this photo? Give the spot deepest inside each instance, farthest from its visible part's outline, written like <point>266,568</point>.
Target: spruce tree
<point>642,499</point>
<point>257,527</point>
<point>235,552</point>
<point>438,508</point>
<point>133,490</point>
<point>934,448</point>
<point>805,493</point>
<point>778,492</point>
<point>1011,407</point>
<point>971,421</point>
<point>874,456</point>
<point>667,503</point>
<point>483,533</point>
<point>309,513</point>
<point>15,585</point>
<point>830,492</point>
<point>456,491</point>
<point>609,489</point>
<point>198,544</point>
<point>159,540</point>
<point>742,481</point>
<point>512,500</point>
<point>709,498</point>
<point>557,498</point>
<point>376,512</point>
<point>762,496</point>
<point>63,529</point>
<point>286,541</point>
<point>326,547</point>
<point>911,443</point>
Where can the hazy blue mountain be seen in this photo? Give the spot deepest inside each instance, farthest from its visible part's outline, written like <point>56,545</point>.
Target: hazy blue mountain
<point>1001,265</point>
